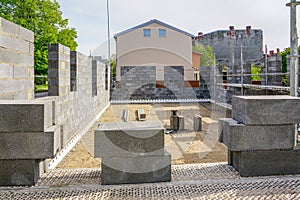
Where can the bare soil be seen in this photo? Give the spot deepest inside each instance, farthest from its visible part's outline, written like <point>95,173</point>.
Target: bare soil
<point>185,146</point>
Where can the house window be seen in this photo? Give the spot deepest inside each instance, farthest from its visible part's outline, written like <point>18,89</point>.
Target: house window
<point>147,32</point>
<point>162,32</point>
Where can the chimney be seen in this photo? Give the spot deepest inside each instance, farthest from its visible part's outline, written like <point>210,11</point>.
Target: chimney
<point>278,51</point>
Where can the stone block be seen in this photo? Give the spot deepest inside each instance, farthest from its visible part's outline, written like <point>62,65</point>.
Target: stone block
<point>38,145</point>
<point>239,137</point>
<point>266,163</point>
<point>251,110</point>
<point>9,27</point>
<point>126,139</point>
<point>132,170</point>
<point>197,123</point>
<point>25,116</point>
<point>19,172</point>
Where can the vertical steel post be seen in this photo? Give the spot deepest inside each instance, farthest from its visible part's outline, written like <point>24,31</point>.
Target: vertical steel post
<point>242,71</point>
<point>293,49</point>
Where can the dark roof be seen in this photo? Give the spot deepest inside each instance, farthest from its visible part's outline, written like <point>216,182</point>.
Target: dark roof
<point>151,22</point>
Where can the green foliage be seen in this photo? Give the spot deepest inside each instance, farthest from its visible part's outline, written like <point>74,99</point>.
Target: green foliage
<point>113,65</point>
<point>44,18</point>
<point>40,88</point>
<point>284,55</point>
<point>207,57</point>
<point>255,70</point>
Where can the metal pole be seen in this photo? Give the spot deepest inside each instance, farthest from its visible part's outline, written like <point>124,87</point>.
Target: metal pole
<point>294,49</point>
<point>108,29</point>
<point>242,70</point>
<point>266,64</point>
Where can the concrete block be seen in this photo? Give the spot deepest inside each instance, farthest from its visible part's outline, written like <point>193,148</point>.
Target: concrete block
<point>25,116</point>
<point>38,145</point>
<point>9,27</point>
<point>19,172</point>
<point>239,137</point>
<point>126,139</point>
<point>6,71</point>
<point>266,163</point>
<point>26,34</point>
<point>197,123</point>
<point>12,43</point>
<point>251,110</point>
<point>132,170</point>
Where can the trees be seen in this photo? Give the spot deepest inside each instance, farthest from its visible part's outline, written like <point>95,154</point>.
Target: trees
<point>207,57</point>
<point>44,18</point>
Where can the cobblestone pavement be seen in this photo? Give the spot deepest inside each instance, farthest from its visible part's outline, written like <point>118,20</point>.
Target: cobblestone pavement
<point>197,181</point>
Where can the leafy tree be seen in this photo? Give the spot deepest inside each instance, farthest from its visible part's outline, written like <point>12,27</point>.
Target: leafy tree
<point>44,18</point>
<point>255,70</point>
<point>113,65</point>
<point>207,57</point>
<point>284,55</point>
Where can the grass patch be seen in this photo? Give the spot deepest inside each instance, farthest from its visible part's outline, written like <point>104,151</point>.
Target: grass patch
<point>40,88</point>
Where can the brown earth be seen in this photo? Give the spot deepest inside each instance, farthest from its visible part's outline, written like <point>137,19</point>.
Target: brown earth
<point>185,147</point>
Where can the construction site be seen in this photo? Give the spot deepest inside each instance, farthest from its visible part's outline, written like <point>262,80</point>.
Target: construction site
<point>155,131</point>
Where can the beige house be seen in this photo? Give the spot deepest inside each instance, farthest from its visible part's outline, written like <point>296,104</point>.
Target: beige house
<point>155,43</point>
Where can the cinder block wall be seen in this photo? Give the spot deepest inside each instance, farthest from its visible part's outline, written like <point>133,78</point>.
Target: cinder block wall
<point>32,130</point>
<point>139,83</point>
<point>75,109</point>
<point>16,62</point>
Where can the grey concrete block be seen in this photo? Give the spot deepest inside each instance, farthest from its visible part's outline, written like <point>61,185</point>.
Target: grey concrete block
<point>131,170</point>
<point>9,27</point>
<point>19,172</point>
<point>239,137</point>
<point>266,109</point>
<point>13,43</point>
<point>126,139</point>
<point>11,57</point>
<point>25,116</point>
<point>38,145</point>
<point>6,71</point>
<point>197,123</point>
<point>266,163</point>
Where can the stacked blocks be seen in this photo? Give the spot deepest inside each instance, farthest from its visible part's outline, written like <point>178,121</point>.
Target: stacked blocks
<point>28,137</point>
<point>132,153</point>
<point>261,136</point>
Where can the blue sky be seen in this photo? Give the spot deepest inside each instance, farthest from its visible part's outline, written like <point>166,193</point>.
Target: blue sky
<point>193,16</point>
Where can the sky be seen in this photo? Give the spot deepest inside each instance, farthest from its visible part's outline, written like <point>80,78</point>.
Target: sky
<point>89,17</point>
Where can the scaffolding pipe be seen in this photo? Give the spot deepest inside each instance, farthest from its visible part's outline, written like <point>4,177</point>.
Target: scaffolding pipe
<point>294,48</point>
